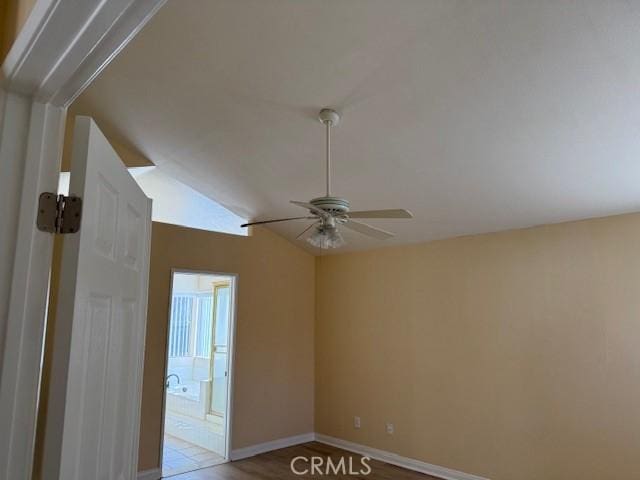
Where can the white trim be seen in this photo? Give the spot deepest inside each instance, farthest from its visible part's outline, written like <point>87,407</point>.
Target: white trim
<point>59,51</point>
<point>153,474</point>
<point>398,460</point>
<point>380,455</point>
<point>230,357</point>
<point>13,146</point>
<point>142,332</point>
<point>164,376</point>
<point>254,450</point>
<point>64,45</point>
<point>231,369</point>
<point>24,330</point>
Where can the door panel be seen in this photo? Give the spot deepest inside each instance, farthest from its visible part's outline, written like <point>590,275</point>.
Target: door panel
<point>94,404</point>
<point>219,384</point>
<point>220,360</point>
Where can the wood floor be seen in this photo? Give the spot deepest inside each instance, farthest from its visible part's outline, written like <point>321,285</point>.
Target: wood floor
<point>276,466</point>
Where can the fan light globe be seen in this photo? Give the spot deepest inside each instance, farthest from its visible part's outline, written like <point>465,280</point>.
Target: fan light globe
<point>326,237</point>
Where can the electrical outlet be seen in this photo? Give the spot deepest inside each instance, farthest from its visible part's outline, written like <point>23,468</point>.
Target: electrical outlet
<point>390,428</point>
<point>356,422</point>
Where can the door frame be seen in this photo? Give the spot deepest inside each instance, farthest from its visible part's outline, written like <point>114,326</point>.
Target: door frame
<point>59,51</point>
<point>214,306</point>
<point>233,281</point>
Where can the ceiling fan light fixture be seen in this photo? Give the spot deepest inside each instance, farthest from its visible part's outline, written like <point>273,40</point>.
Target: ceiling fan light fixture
<point>326,237</point>
<point>329,212</point>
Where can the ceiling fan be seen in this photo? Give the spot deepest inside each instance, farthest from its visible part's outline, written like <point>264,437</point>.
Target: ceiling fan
<point>330,212</point>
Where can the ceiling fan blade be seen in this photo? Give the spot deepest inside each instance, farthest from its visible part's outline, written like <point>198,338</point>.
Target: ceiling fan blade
<point>306,230</point>
<point>274,221</point>
<point>391,213</point>
<point>368,230</point>
<point>313,208</point>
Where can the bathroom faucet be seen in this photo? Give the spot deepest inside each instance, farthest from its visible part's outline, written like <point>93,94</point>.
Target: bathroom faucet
<point>169,377</point>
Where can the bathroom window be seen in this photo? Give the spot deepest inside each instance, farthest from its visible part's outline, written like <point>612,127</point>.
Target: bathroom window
<point>182,308</point>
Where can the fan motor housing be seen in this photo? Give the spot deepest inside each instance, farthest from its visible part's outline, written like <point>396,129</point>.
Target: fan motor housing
<point>333,205</point>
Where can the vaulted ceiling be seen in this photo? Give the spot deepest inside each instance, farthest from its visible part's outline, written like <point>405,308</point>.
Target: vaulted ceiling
<point>477,116</point>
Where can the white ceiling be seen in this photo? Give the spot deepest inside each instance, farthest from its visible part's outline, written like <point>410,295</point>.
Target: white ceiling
<point>475,115</point>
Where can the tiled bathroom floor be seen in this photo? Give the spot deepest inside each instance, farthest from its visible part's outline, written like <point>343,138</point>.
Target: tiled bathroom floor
<point>179,456</point>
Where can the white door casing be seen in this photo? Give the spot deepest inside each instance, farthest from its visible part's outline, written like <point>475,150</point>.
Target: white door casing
<point>93,419</point>
<point>22,351</point>
<point>231,342</point>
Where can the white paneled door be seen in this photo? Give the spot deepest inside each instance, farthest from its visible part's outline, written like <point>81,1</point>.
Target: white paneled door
<point>94,405</point>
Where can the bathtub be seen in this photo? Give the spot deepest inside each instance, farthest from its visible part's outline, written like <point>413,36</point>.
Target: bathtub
<point>190,398</point>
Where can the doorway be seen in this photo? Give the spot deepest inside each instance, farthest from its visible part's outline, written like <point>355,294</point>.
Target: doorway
<point>198,371</point>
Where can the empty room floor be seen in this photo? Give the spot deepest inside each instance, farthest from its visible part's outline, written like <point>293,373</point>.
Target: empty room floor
<point>276,464</point>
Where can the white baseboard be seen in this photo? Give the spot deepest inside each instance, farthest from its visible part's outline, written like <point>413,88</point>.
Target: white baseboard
<point>253,450</point>
<point>395,459</point>
<point>153,474</point>
<point>381,455</point>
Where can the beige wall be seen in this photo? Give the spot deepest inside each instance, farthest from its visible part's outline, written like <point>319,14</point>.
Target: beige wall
<point>13,14</point>
<point>274,380</point>
<point>513,355</point>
